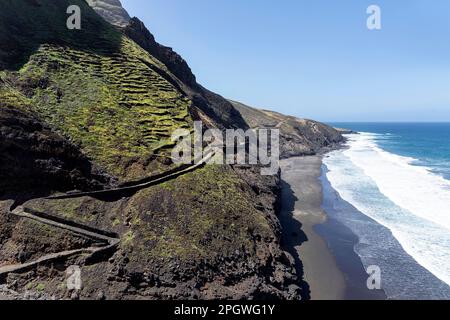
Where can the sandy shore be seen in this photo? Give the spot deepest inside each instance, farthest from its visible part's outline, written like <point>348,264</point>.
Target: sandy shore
<point>301,210</point>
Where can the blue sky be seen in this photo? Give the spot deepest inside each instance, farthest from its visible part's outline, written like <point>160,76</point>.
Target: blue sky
<point>314,58</point>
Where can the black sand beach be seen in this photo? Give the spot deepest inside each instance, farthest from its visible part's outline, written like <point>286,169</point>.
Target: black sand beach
<point>333,272</point>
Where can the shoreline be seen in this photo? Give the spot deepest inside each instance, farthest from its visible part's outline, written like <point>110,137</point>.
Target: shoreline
<point>375,245</point>
<point>300,211</point>
<point>329,264</point>
<point>343,242</point>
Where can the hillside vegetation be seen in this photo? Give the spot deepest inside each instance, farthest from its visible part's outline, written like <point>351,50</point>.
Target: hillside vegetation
<point>90,109</point>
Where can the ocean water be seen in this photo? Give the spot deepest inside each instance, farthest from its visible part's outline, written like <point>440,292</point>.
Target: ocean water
<point>398,177</point>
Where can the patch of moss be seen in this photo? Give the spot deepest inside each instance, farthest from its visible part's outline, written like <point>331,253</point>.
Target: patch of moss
<point>40,287</point>
<point>127,238</point>
<point>197,216</point>
<point>116,222</point>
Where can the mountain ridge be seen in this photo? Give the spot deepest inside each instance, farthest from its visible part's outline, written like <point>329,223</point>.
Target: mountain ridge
<point>89,115</point>
<point>93,109</point>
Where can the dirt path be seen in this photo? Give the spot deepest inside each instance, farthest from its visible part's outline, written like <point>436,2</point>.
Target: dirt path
<point>21,212</point>
<point>108,242</point>
<point>136,187</point>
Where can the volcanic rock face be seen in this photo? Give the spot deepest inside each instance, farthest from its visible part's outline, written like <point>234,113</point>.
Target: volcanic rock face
<point>91,110</point>
<point>36,158</point>
<point>111,10</point>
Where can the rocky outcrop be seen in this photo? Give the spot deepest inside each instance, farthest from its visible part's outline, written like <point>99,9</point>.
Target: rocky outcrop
<point>111,10</point>
<point>346,131</point>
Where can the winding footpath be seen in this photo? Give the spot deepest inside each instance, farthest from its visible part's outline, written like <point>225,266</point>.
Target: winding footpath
<point>106,242</point>
<point>136,187</point>
<point>103,239</point>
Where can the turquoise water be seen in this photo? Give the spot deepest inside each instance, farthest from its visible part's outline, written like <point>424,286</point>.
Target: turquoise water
<point>398,176</point>
<point>427,143</point>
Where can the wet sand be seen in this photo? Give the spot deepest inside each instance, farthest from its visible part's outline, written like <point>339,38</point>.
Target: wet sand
<point>332,269</point>
<point>301,211</point>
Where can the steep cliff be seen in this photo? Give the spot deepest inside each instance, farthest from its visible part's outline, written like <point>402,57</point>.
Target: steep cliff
<point>217,108</point>
<point>220,110</point>
<point>93,109</point>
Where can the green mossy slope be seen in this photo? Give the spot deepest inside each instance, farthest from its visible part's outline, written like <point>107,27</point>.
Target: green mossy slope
<point>211,233</point>
<point>118,103</point>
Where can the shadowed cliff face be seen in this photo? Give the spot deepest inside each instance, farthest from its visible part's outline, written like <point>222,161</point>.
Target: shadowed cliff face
<point>35,158</point>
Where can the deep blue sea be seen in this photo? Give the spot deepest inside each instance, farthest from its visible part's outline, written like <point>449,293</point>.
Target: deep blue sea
<point>428,143</point>
<point>398,176</point>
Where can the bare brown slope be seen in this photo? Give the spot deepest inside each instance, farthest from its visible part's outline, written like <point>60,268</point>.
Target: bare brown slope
<point>298,137</point>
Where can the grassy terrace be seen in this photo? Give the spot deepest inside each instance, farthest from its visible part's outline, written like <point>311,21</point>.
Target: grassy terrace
<point>116,108</point>
<point>95,86</point>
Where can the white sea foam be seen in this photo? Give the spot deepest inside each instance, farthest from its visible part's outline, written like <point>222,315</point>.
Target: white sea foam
<point>413,188</point>
<point>411,201</point>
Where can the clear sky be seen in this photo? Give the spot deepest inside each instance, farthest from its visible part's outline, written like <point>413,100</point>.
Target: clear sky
<point>314,58</point>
